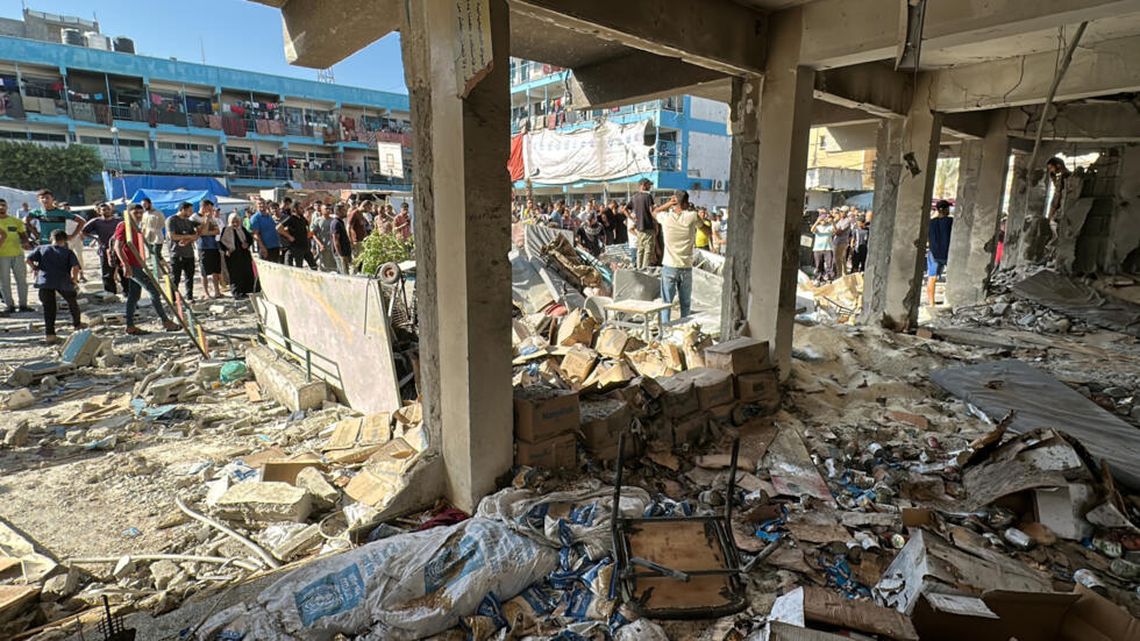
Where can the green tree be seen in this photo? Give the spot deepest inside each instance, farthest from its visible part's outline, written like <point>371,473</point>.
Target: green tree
<point>64,170</point>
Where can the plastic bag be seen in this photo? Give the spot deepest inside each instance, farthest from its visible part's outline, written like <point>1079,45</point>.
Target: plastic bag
<point>233,371</point>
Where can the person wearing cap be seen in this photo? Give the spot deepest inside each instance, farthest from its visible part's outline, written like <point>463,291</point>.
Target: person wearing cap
<point>941,227</point>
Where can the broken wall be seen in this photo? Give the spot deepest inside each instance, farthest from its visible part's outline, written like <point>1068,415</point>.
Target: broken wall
<point>1099,226</point>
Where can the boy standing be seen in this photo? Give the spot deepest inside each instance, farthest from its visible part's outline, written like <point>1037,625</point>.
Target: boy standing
<point>55,268</point>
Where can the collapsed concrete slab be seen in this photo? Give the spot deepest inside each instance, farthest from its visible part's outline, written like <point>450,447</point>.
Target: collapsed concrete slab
<point>285,383</point>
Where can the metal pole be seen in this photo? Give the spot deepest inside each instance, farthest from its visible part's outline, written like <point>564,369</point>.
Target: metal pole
<point>1065,61</point>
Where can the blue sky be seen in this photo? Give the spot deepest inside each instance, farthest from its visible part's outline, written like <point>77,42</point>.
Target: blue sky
<point>236,33</point>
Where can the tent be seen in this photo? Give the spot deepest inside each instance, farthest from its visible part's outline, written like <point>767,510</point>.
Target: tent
<point>17,197</point>
<point>121,186</point>
<point>168,201</point>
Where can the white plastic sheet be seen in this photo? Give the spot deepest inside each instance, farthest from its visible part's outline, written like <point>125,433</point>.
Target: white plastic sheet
<point>605,152</point>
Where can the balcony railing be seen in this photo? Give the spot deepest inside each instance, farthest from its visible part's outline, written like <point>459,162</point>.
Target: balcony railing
<point>313,175</point>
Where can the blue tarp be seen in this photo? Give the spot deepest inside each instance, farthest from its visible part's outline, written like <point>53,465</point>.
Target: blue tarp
<point>126,186</point>
<point>168,201</point>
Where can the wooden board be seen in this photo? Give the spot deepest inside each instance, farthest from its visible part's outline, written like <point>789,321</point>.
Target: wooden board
<point>685,546</point>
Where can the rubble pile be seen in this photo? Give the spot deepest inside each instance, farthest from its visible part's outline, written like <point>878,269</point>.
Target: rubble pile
<point>666,485</point>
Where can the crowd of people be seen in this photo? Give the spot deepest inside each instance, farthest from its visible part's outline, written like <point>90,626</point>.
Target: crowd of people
<point>839,243</point>
<point>192,242</point>
<point>597,225</point>
<point>651,235</point>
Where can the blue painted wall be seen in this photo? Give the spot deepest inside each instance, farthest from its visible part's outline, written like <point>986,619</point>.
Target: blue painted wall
<point>190,73</point>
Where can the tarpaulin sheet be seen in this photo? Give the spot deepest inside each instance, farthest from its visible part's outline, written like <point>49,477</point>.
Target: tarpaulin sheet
<point>529,291</point>
<point>1062,294</point>
<point>125,186</point>
<point>606,152</point>
<point>1040,400</point>
<point>516,164</point>
<point>17,197</point>
<point>168,201</point>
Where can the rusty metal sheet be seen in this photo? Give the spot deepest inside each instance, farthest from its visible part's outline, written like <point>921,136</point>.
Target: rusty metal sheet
<point>343,319</point>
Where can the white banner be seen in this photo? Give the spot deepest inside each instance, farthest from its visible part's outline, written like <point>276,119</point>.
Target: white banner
<point>606,152</point>
<point>391,159</point>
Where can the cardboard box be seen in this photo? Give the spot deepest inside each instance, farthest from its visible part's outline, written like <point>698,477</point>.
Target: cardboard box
<point>603,422</point>
<point>690,429</point>
<point>613,373</point>
<point>553,453</point>
<point>721,413</point>
<point>285,470</point>
<point>576,328</point>
<point>612,342</point>
<point>634,447</point>
<point>813,605</point>
<point>578,363</point>
<point>997,615</point>
<point>674,358</point>
<point>1061,509</point>
<point>760,388</point>
<point>713,386</point>
<point>648,362</point>
<point>679,397</point>
<point>929,563</point>
<point>738,356</point>
<point>543,413</point>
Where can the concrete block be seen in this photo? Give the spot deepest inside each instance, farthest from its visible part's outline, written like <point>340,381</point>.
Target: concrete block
<point>258,501</point>
<point>163,572</point>
<point>284,382</point>
<point>209,370</point>
<point>325,496</point>
<point>60,587</point>
<point>16,435</point>
<point>166,390</point>
<point>19,399</point>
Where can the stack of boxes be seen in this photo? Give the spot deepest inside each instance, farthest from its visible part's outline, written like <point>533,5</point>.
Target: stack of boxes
<point>546,426</point>
<point>673,408</point>
<point>754,376</point>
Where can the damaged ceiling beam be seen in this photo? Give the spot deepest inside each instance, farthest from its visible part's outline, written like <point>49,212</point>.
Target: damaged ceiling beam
<point>637,77</point>
<point>1093,121</point>
<point>1100,69</point>
<point>841,33</point>
<point>319,33</point>
<point>716,34</point>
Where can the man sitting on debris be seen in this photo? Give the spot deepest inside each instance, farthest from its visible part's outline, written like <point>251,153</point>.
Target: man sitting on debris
<point>678,222</point>
<point>591,236</point>
<point>55,268</point>
<point>940,227</point>
<point>130,256</point>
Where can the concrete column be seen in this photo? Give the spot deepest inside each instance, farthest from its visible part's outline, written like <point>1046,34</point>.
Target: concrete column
<point>888,170</point>
<point>741,203</point>
<point>905,262</point>
<point>981,188</point>
<point>785,123</point>
<point>462,194</point>
<point>1018,192</point>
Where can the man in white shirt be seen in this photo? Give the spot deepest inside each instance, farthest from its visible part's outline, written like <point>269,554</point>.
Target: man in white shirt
<point>153,226</point>
<point>678,220</point>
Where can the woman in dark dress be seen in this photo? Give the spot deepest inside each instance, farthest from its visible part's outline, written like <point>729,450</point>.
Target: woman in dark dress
<point>236,242</point>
